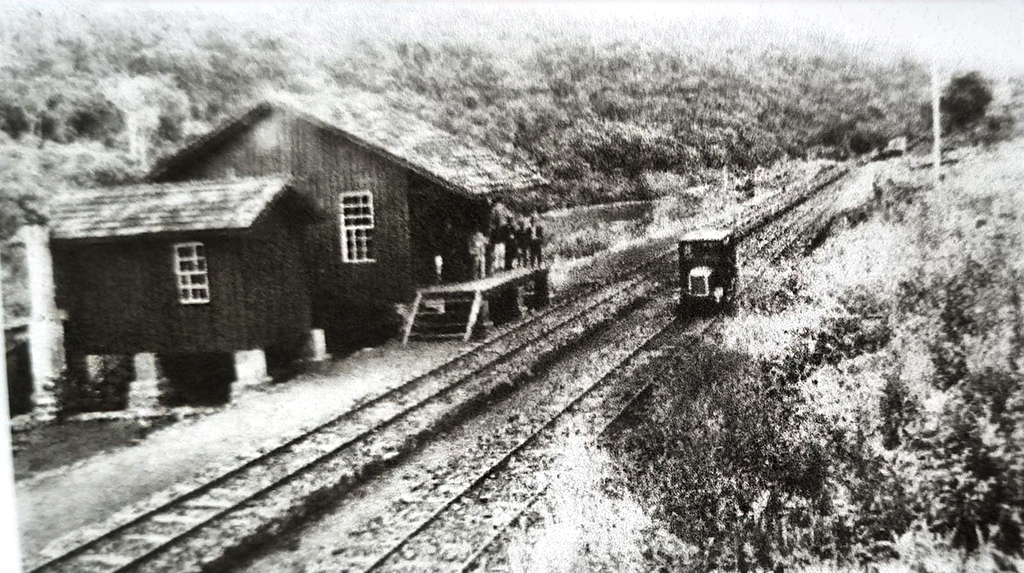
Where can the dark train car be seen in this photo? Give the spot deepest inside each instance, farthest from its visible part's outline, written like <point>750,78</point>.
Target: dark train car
<point>394,192</point>
<point>708,275</point>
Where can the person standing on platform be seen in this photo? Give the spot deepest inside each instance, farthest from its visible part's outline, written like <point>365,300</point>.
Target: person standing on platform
<point>434,245</point>
<point>478,254</point>
<point>536,243</point>
<point>497,249</point>
<point>449,252</point>
<point>438,269</point>
<point>522,238</point>
<point>508,232</point>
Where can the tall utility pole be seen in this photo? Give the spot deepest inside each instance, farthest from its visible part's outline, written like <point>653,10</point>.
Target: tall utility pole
<point>936,124</point>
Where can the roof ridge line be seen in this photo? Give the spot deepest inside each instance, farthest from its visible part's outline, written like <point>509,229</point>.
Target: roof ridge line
<point>196,205</point>
<point>418,144</point>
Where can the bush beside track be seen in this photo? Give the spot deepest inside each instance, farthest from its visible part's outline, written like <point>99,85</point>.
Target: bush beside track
<point>868,412</point>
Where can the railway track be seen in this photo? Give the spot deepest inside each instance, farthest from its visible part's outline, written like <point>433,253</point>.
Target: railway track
<point>488,554</point>
<point>391,536</point>
<point>450,537</point>
<point>269,491</point>
<point>517,482</point>
<point>213,522</point>
<point>795,228</point>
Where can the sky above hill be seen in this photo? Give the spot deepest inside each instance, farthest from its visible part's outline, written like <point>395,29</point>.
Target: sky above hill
<point>983,35</point>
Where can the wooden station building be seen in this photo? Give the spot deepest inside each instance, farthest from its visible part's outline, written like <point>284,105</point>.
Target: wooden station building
<point>293,218</point>
<point>200,267</point>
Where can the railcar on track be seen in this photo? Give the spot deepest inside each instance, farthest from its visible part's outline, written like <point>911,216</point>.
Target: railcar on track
<point>708,274</point>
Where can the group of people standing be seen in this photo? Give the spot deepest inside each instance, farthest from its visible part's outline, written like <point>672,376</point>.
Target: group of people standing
<point>508,245</point>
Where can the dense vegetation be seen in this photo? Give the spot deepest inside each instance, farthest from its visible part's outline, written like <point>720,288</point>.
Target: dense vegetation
<point>92,97</point>
<point>868,404</point>
<point>884,413</point>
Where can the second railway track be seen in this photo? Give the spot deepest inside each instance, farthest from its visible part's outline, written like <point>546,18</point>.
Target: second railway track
<point>459,539</point>
<point>453,537</point>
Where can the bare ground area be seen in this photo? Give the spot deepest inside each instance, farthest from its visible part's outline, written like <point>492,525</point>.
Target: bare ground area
<point>250,424</point>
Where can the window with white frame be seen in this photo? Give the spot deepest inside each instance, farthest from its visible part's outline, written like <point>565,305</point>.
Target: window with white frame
<point>699,281</point>
<point>191,273</point>
<point>357,227</point>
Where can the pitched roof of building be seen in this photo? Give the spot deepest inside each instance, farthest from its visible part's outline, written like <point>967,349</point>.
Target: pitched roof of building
<point>160,208</point>
<point>369,121</point>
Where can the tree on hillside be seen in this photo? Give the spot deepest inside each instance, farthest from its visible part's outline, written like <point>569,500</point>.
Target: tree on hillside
<point>966,100</point>
<point>151,105</point>
<point>21,188</point>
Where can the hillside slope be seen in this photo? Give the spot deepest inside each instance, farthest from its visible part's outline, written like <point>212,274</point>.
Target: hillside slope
<point>868,406</point>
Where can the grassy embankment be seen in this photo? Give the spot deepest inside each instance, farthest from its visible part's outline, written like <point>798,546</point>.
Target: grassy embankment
<point>865,407</point>
<point>580,232</point>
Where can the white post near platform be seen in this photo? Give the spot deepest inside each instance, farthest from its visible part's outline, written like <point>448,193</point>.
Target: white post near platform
<point>316,346</point>
<point>144,391</point>
<point>45,330</point>
<point>250,368</point>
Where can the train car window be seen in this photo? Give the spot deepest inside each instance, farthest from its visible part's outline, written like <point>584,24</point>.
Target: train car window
<point>699,281</point>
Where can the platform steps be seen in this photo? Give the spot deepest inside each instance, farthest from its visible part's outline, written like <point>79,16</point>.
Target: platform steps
<point>443,316</point>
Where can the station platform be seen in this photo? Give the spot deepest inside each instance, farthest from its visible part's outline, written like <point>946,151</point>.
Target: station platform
<point>487,284</point>
<point>461,310</point>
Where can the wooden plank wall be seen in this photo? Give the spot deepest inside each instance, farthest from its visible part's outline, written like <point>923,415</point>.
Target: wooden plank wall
<point>122,297</point>
<point>257,149</point>
<point>324,165</point>
<point>276,290</point>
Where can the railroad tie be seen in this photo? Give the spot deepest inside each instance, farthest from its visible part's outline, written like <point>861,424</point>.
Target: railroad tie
<point>175,519</point>
<point>148,538</point>
<point>205,504</point>
<point>105,559</point>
